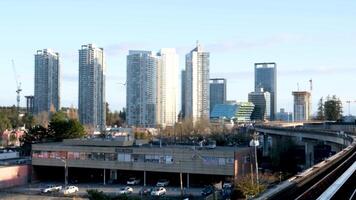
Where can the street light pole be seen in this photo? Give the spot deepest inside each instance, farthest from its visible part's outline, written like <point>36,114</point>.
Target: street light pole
<point>65,171</point>
<point>257,179</point>
<point>254,142</point>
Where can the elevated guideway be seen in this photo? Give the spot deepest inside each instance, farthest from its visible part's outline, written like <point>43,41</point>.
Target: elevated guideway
<point>323,180</point>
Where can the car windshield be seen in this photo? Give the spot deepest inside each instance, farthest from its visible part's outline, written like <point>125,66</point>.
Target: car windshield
<point>132,179</point>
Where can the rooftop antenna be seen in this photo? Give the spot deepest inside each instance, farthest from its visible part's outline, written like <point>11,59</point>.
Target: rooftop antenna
<point>298,87</point>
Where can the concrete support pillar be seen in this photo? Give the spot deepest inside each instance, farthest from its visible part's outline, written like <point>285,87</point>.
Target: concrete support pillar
<point>275,140</point>
<point>265,145</point>
<point>144,178</point>
<point>335,147</point>
<point>113,174</point>
<point>65,175</point>
<point>187,180</point>
<point>104,176</point>
<point>309,154</point>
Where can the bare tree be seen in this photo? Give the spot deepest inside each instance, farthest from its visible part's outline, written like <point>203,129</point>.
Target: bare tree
<point>42,119</point>
<point>89,129</point>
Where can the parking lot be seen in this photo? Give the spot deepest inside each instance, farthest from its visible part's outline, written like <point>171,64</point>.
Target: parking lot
<point>111,189</point>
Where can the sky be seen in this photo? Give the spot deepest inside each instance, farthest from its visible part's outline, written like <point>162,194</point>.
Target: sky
<point>307,39</point>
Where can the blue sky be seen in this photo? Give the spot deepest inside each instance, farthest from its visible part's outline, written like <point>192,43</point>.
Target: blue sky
<point>307,39</point>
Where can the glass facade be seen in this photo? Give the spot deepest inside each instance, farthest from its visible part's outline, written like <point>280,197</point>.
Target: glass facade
<point>141,90</point>
<point>47,81</point>
<point>217,92</point>
<point>266,79</point>
<point>91,101</point>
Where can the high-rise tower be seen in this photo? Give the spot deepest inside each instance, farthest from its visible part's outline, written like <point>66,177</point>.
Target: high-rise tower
<point>266,79</point>
<point>47,81</point>
<point>141,91</point>
<point>167,87</point>
<point>217,92</point>
<point>197,84</point>
<point>92,87</point>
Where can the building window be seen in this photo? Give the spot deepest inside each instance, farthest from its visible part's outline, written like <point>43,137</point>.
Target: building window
<point>124,157</point>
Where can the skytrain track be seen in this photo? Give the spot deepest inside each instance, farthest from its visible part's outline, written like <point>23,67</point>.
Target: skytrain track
<point>315,181</point>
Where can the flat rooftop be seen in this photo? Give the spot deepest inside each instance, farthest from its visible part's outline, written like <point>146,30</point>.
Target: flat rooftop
<point>66,144</point>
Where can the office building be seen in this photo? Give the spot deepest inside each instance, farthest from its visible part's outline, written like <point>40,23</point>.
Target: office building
<point>262,102</point>
<point>141,90</point>
<point>167,87</point>
<point>282,115</point>
<point>302,105</point>
<point>92,87</point>
<point>266,79</point>
<point>238,112</point>
<point>197,89</point>
<point>217,92</point>
<point>47,81</point>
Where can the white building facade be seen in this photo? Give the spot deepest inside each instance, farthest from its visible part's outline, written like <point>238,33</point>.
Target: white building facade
<point>167,87</point>
<point>197,92</point>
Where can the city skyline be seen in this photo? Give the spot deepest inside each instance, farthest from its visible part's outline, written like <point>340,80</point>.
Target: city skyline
<point>233,50</point>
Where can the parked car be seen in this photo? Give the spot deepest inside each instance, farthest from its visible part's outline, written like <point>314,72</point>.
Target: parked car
<point>159,191</point>
<point>162,183</point>
<point>51,188</point>
<point>145,191</point>
<point>126,190</point>
<point>70,189</point>
<point>227,185</point>
<point>133,181</point>
<point>207,191</point>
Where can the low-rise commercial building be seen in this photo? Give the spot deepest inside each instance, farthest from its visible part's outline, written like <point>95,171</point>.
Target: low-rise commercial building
<point>114,156</point>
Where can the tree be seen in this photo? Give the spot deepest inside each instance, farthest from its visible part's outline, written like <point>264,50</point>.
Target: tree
<point>28,120</point>
<point>333,108</point>
<point>34,135</point>
<point>61,127</point>
<point>42,119</point>
<point>4,123</point>
<point>72,113</point>
<point>97,195</point>
<point>248,186</point>
<point>320,114</point>
<point>114,118</point>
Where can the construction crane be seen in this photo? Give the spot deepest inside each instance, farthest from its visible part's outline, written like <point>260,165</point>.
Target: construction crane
<point>18,86</point>
<point>348,103</point>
